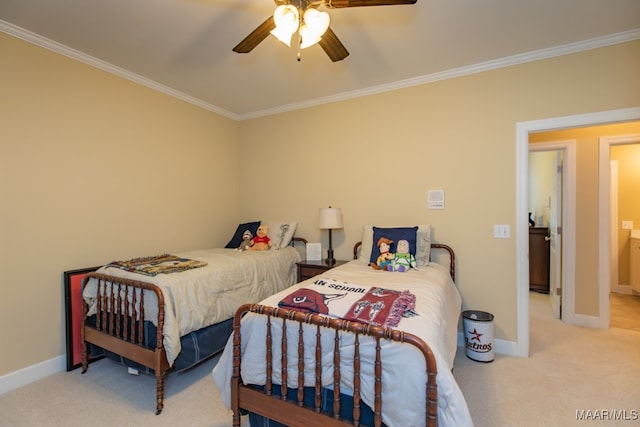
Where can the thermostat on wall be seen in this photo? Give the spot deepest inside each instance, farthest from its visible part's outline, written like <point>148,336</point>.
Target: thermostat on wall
<point>435,199</point>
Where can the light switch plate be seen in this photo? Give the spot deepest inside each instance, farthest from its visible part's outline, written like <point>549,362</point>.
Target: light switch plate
<point>435,199</point>
<point>501,231</point>
<point>627,225</point>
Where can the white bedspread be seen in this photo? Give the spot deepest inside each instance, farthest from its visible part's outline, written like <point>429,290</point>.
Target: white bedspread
<point>203,296</point>
<point>438,305</point>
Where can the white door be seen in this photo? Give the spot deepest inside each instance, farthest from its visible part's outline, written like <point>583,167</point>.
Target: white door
<point>555,236</point>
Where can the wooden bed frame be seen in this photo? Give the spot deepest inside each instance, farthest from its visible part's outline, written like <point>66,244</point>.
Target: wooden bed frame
<point>122,332</point>
<point>294,412</point>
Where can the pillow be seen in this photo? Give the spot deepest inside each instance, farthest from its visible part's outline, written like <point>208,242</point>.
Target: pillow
<point>367,244</point>
<point>237,236</point>
<point>395,234</point>
<point>423,244</point>
<point>281,233</point>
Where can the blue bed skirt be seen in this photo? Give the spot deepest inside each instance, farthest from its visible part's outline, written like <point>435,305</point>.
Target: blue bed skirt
<point>346,406</point>
<point>197,346</point>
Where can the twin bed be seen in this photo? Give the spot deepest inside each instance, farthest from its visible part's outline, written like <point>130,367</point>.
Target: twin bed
<point>161,322</point>
<point>339,372</point>
<point>302,365</point>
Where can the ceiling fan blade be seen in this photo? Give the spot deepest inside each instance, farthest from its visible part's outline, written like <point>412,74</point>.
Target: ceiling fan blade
<point>256,36</point>
<point>337,4</point>
<point>332,46</point>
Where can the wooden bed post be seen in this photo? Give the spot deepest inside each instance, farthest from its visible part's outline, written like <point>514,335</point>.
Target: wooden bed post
<point>117,301</point>
<point>235,376</point>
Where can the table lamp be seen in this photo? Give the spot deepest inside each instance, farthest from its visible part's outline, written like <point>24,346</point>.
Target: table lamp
<point>330,219</point>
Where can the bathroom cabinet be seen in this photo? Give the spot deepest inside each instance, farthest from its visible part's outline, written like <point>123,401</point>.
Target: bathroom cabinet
<point>539,259</point>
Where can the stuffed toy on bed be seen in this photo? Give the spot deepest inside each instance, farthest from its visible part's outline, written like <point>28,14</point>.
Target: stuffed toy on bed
<point>261,242</point>
<point>403,260</point>
<point>386,257</point>
<point>246,241</point>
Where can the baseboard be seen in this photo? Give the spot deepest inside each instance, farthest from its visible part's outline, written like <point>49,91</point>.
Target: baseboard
<point>22,377</point>
<point>504,347</point>
<point>622,289</point>
<point>586,321</point>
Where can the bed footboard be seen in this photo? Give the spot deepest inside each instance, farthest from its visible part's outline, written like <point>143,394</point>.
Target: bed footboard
<point>294,412</point>
<point>119,326</point>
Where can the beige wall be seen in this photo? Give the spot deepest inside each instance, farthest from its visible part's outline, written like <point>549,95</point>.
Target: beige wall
<point>375,157</point>
<point>95,168</point>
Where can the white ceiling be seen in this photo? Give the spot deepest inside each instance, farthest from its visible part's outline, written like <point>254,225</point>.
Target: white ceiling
<point>183,47</point>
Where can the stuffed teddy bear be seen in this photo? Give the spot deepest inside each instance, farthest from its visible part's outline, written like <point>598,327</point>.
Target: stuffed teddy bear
<point>403,260</point>
<point>261,242</point>
<point>246,241</point>
<point>386,257</point>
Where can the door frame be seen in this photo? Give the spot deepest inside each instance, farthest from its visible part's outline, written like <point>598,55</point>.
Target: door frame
<point>522,222</point>
<point>568,241</point>
<point>614,284</point>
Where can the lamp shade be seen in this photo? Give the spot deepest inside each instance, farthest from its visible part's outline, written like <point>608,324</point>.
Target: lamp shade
<point>315,25</point>
<point>330,218</point>
<point>286,20</point>
<point>308,37</point>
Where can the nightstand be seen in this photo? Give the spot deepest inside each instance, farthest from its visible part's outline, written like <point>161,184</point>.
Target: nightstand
<point>308,269</point>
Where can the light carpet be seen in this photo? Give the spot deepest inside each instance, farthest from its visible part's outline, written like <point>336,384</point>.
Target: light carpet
<point>570,369</point>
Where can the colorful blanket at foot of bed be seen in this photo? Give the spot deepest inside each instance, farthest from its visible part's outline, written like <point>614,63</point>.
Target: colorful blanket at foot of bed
<point>160,264</point>
<point>367,304</point>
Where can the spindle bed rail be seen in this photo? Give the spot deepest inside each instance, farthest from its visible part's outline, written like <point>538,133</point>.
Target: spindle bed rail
<point>279,408</point>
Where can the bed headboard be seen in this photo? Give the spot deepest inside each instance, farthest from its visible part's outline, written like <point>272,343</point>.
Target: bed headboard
<point>300,244</point>
<point>299,240</point>
<point>452,256</point>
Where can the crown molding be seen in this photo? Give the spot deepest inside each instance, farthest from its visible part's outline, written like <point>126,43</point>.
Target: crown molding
<point>458,72</point>
<point>537,55</point>
<point>54,46</point>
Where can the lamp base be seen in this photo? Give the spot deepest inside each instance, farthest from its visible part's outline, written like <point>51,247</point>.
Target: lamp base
<point>330,259</point>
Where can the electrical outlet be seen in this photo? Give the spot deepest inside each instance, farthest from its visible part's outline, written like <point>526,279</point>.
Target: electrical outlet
<point>501,231</point>
<point>627,225</point>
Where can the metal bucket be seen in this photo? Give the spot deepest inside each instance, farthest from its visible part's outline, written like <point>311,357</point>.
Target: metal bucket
<point>478,335</point>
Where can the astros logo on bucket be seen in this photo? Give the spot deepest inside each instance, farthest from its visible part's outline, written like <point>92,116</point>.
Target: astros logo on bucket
<point>477,346</point>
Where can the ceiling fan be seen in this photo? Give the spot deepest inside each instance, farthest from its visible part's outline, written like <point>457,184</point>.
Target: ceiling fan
<point>299,16</point>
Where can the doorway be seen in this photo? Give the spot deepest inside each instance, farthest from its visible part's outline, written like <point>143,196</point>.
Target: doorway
<point>555,210</point>
<point>523,129</point>
<point>610,222</point>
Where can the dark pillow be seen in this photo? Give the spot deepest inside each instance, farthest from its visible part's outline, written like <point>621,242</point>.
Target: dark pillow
<point>395,234</point>
<point>237,236</point>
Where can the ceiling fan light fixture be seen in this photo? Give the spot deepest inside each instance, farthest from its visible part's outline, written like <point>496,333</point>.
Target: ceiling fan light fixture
<point>315,25</point>
<point>317,21</point>
<point>286,19</point>
<point>312,26</point>
<point>307,37</point>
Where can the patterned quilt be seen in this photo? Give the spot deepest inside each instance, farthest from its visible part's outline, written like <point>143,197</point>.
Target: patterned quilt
<point>159,264</point>
<point>368,304</point>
